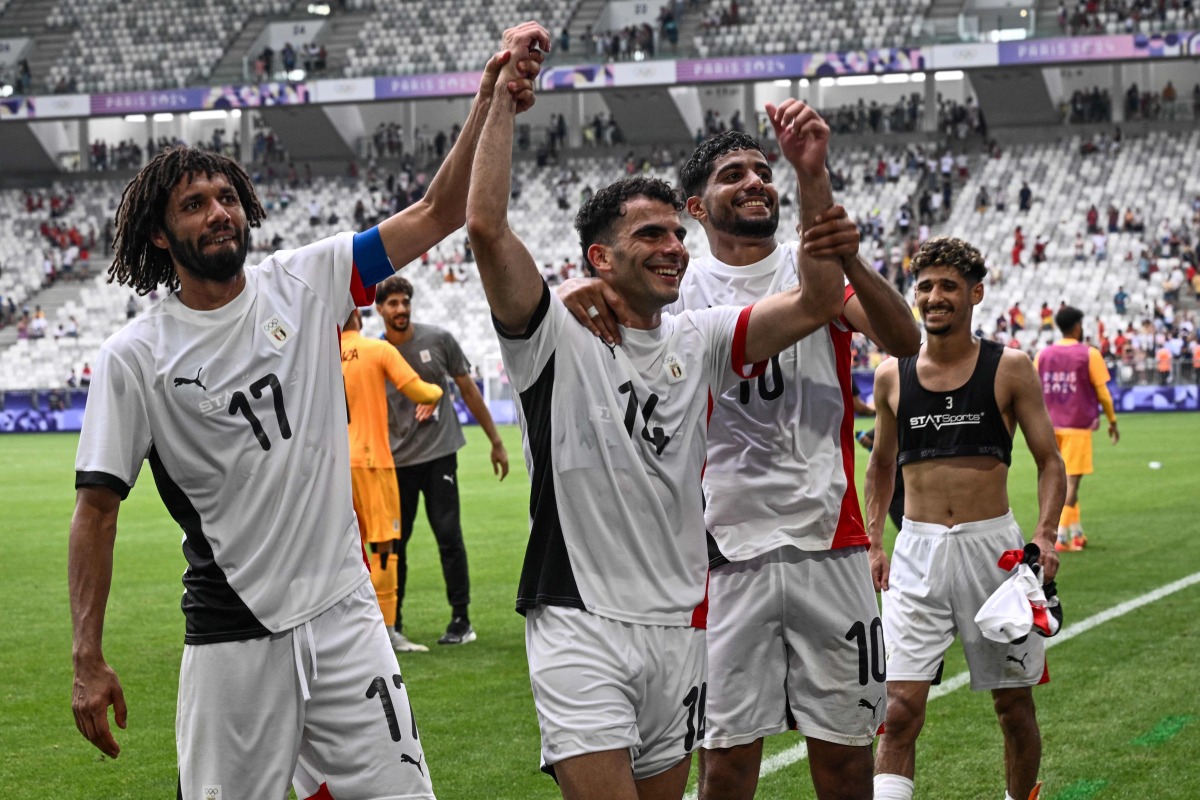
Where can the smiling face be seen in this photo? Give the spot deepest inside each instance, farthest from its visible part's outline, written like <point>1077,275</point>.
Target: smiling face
<point>205,228</point>
<point>740,198</point>
<point>945,299</point>
<point>396,311</point>
<point>647,258</point>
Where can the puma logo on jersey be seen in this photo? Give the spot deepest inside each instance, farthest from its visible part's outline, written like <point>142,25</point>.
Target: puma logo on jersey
<point>449,479</point>
<point>862,703</point>
<point>405,758</point>
<point>182,381</point>
<point>939,421</point>
<point>1020,660</point>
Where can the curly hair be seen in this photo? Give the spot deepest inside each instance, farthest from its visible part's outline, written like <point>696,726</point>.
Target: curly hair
<point>595,219</point>
<point>947,251</point>
<point>698,169</point>
<point>137,261</point>
<point>392,284</point>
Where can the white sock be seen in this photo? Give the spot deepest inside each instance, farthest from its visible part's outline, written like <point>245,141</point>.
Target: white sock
<point>1008,796</point>
<point>893,787</point>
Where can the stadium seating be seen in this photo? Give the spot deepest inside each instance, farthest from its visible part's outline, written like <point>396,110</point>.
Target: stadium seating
<point>1144,173</point>
<point>169,44</point>
<point>795,26</point>
<point>415,38</point>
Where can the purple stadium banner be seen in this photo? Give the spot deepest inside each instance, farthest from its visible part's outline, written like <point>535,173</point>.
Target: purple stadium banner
<point>18,108</point>
<point>255,96</point>
<point>740,68</point>
<point>866,62</point>
<point>1099,48</point>
<point>581,76</point>
<point>449,84</point>
<point>199,99</point>
<point>1156,398</point>
<point>162,100</point>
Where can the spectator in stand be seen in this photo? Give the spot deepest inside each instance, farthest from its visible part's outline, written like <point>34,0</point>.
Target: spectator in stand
<point>1047,317</point>
<point>1093,219</point>
<point>1016,318</point>
<point>1024,197</point>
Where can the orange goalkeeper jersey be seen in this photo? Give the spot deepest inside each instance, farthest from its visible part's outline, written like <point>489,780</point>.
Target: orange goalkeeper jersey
<point>366,364</point>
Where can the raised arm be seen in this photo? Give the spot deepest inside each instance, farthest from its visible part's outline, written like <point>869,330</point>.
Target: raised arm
<point>89,578</point>
<point>785,318</point>
<point>442,210</point>
<point>1029,409</point>
<point>510,277</point>
<point>881,468</point>
<point>879,311</point>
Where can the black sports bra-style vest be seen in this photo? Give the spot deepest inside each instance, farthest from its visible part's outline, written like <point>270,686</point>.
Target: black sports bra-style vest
<point>963,422</point>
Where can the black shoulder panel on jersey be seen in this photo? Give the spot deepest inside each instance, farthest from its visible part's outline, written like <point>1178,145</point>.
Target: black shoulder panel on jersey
<point>546,576</point>
<point>104,479</point>
<point>212,610</point>
<point>539,314</point>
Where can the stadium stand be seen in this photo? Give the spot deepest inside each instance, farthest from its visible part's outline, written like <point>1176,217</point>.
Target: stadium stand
<point>1096,17</point>
<point>174,43</point>
<point>414,38</point>
<point>794,26</point>
<point>1142,173</point>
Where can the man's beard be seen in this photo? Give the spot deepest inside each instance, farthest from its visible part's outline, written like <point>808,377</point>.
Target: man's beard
<point>219,267</point>
<point>755,228</point>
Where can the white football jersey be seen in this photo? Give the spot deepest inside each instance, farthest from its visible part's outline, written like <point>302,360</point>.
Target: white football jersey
<point>241,412</point>
<point>780,446</point>
<point>615,441</point>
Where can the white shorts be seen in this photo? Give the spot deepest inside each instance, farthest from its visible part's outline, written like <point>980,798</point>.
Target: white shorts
<point>940,578</point>
<point>244,728</point>
<point>601,685</point>
<point>794,640</point>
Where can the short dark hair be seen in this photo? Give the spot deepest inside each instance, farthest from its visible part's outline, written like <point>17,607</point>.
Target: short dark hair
<point>1067,318</point>
<point>392,284</point>
<point>137,261</point>
<point>595,219</point>
<point>947,251</point>
<point>698,169</point>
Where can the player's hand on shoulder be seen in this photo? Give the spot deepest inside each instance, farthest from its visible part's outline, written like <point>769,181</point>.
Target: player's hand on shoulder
<point>594,305</point>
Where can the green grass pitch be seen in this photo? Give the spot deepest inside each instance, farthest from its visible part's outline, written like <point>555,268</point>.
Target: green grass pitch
<point>1119,719</point>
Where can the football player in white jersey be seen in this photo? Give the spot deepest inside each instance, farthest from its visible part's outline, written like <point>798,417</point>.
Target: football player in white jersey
<point>793,623</point>
<point>231,387</point>
<point>615,444</point>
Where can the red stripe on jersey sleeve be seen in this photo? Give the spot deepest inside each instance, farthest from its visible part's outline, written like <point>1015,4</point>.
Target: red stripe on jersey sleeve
<point>850,528</point>
<point>842,318</point>
<point>739,347</point>
<point>363,295</point>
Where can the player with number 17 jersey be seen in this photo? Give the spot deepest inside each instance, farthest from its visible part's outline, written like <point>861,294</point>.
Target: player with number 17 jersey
<point>223,403</point>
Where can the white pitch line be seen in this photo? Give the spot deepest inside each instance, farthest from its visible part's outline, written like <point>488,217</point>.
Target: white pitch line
<point>799,752</point>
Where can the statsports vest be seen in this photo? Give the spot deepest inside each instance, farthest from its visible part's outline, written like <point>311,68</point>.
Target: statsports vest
<point>962,422</point>
<point>1067,386</point>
